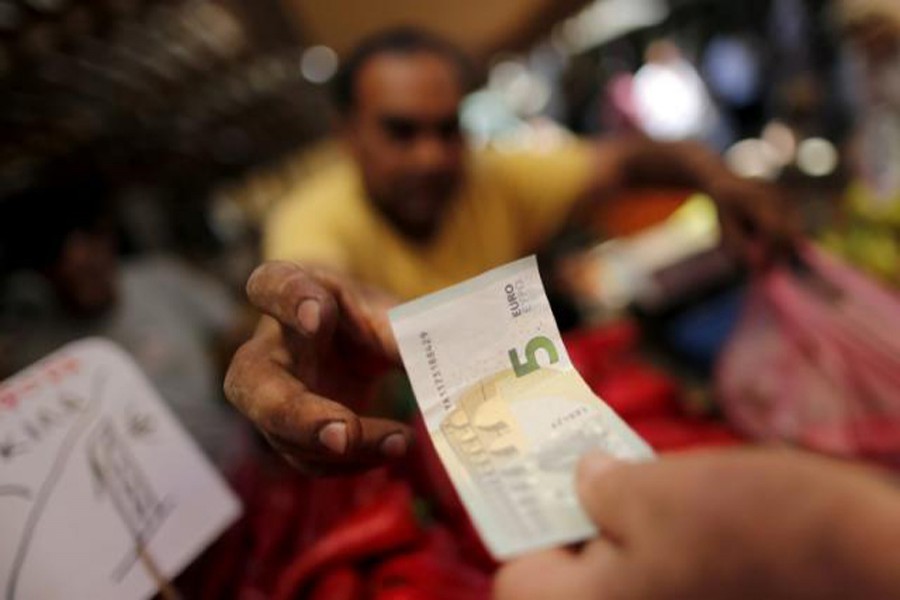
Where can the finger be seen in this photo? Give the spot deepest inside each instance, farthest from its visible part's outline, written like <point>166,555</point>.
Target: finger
<point>281,406</point>
<point>379,440</point>
<point>293,297</point>
<point>384,437</point>
<point>384,334</point>
<point>308,300</point>
<point>549,575</point>
<point>366,310</point>
<point>606,489</point>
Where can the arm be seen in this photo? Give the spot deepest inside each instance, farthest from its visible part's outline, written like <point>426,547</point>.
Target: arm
<point>724,525</point>
<point>753,216</point>
<point>640,162</point>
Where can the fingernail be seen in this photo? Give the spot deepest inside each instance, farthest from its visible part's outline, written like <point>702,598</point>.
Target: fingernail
<point>394,445</point>
<point>595,464</point>
<point>309,313</point>
<point>334,437</point>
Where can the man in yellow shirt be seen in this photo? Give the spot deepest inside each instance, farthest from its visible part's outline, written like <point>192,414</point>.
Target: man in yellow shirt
<point>506,206</point>
<point>415,212</point>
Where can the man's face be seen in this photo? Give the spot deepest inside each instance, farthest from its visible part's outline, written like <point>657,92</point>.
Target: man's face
<point>404,133</point>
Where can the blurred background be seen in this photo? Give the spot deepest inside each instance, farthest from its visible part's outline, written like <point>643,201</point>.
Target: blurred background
<point>170,129</point>
<point>200,115</point>
<point>180,124</point>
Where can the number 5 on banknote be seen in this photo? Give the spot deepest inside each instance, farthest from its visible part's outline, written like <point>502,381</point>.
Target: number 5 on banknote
<point>531,360</point>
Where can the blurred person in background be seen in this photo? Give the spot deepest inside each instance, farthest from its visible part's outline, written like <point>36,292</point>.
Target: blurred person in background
<point>869,235</point>
<point>414,212</point>
<point>64,281</point>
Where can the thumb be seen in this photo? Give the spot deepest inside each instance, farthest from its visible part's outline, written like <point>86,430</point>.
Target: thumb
<point>606,488</point>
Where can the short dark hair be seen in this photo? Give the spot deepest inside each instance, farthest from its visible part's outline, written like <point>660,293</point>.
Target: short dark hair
<point>36,220</point>
<point>403,40</point>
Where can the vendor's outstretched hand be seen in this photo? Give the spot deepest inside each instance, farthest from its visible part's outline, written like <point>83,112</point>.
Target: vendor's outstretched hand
<point>751,524</point>
<point>320,346</point>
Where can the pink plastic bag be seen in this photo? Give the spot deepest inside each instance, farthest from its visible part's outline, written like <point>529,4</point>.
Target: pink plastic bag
<point>815,361</point>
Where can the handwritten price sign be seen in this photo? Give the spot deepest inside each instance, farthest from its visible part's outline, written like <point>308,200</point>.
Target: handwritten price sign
<point>102,493</point>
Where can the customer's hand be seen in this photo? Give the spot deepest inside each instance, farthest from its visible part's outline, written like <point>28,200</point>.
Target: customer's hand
<point>322,343</point>
<point>749,524</point>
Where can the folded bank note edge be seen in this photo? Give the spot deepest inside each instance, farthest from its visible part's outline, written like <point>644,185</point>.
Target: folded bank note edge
<point>460,289</point>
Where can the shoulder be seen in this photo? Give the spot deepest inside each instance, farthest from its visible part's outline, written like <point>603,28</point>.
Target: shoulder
<point>544,158</point>
<point>318,218</point>
<point>335,187</point>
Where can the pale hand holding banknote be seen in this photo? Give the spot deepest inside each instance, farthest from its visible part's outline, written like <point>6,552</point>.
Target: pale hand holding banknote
<point>507,412</point>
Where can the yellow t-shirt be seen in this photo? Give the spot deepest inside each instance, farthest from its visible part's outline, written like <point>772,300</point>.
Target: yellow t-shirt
<point>509,204</point>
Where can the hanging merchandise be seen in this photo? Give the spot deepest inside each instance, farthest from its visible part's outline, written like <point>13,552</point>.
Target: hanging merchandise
<point>815,361</point>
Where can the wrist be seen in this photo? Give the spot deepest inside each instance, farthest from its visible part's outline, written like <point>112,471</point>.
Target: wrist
<point>713,176</point>
<point>706,170</point>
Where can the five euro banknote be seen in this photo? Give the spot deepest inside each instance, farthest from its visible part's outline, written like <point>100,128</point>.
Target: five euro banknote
<point>506,410</point>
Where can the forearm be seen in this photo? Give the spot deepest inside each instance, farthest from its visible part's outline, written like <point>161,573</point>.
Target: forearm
<point>646,163</point>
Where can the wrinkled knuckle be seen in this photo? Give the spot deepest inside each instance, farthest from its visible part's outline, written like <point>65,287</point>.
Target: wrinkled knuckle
<point>255,279</point>
<point>291,289</point>
<point>274,411</point>
<point>234,376</point>
<point>230,385</point>
<point>258,408</point>
<point>274,419</point>
<point>299,286</point>
<point>243,383</point>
